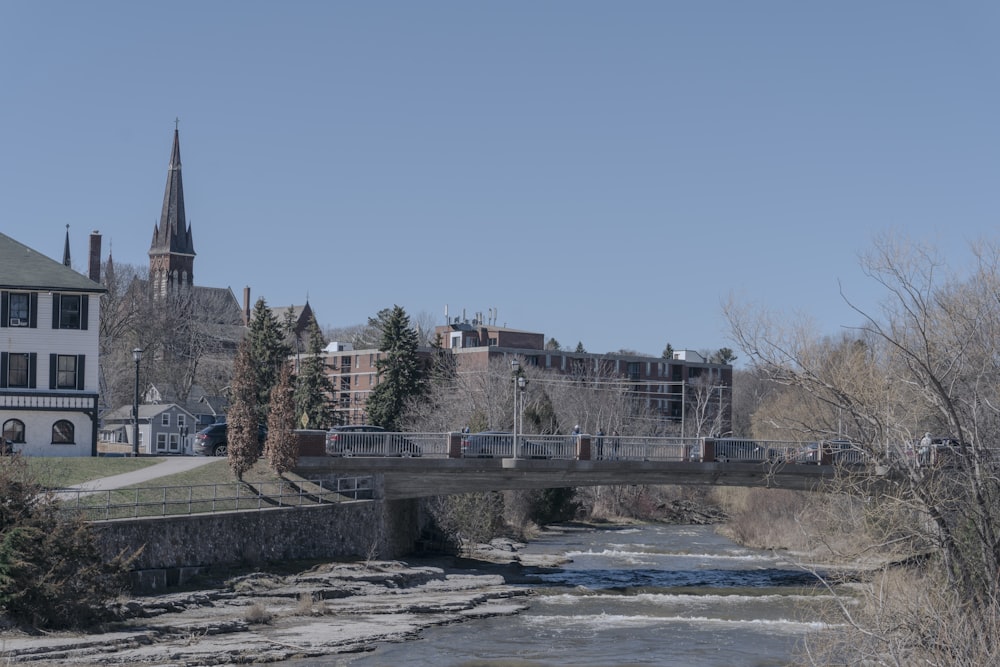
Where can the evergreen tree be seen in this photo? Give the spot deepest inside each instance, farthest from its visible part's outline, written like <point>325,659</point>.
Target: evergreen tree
<point>281,448</point>
<point>313,389</point>
<point>242,430</point>
<point>401,376</point>
<point>553,345</point>
<point>51,571</point>
<point>723,355</point>
<point>668,351</point>
<point>579,347</point>
<point>268,351</point>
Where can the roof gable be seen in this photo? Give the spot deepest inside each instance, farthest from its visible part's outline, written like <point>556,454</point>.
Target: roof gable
<point>24,268</point>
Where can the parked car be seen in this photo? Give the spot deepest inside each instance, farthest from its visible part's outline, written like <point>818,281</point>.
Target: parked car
<point>212,441</point>
<point>494,444</point>
<point>841,452</point>
<point>368,440</point>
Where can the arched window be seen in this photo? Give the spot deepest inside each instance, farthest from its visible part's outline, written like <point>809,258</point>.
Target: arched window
<point>13,430</point>
<point>62,432</point>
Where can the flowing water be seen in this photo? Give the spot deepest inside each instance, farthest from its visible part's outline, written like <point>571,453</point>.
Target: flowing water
<point>650,595</point>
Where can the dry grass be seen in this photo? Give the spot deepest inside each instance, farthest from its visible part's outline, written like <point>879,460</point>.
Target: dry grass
<point>258,614</point>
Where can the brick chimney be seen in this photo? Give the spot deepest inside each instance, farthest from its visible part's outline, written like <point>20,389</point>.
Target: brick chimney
<point>95,256</point>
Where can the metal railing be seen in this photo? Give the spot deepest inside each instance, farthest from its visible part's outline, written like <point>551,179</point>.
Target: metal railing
<point>131,503</point>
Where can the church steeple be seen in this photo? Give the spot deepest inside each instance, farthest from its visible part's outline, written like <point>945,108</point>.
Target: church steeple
<point>171,254</point>
<point>66,258</point>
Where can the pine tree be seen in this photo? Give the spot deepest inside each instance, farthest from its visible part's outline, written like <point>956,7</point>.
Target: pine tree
<point>268,351</point>
<point>313,389</point>
<point>401,376</point>
<point>242,430</point>
<point>281,448</point>
<point>51,570</point>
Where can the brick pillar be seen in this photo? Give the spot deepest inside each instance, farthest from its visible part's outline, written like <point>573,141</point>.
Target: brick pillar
<point>454,445</point>
<point>583,448</point>
<point>707,450</point>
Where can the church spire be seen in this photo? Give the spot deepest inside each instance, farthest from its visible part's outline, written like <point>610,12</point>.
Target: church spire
<point>66,258</point>
<point>171,254</point>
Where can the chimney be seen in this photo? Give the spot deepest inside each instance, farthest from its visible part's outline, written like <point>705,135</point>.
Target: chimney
<point>246,305</point>
<point>95,256</point>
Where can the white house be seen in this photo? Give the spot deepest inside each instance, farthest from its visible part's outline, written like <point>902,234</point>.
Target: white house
<point>164,428</point>
<point>49,327</point>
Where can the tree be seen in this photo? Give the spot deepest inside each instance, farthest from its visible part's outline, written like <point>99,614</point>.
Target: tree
<point>668,352</point>
<point>401,377</point>
<point>926,362</point>
<point>313,389</point>
<point>268,352</point>
<point>242,430</point>
<point>281,447</point>
<point>723,355</point>
<point>553,345</point>
<point>579,347</point>
<point>51,571</point>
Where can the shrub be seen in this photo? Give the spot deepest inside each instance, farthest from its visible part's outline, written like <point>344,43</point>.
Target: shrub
<point>51,572</point>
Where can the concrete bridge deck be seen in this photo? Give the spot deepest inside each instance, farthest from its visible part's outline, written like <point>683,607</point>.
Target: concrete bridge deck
<point>404,478</point>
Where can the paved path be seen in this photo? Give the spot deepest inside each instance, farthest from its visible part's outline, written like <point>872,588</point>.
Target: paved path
<point>173,464</point>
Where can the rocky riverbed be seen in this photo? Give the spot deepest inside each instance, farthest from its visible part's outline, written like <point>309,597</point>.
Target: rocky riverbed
<point>261,617</point>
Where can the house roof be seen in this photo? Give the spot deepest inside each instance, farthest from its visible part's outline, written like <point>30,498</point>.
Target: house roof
<point>27,269</point>
<point>147,411</point>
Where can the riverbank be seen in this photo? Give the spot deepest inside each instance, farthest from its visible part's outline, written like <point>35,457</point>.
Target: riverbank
<point>262,617</point>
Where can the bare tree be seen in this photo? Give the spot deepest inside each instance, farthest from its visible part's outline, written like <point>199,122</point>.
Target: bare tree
<point>927,361</point>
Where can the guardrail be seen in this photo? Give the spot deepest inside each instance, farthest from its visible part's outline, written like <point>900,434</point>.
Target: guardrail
<point>145,502</point>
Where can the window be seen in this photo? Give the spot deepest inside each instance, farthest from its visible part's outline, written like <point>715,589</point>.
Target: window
<point>69,311</point>
<point>18,369</point>
<point>165,419</point>
<point>13,430</point>
<point>63,432</point>
<point>66,375</point>
<point>181,421</point>
<point>161,442</point>
<point>19,309</point>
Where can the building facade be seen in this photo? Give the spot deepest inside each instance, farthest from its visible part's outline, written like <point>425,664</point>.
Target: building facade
<point>50,323</point>
<point>679,390</point>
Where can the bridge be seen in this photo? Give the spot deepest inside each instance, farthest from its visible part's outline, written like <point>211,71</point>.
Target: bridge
<point>414,465</point>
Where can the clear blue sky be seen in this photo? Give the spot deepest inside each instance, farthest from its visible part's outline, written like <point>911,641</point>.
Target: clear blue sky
<point>603,172</point>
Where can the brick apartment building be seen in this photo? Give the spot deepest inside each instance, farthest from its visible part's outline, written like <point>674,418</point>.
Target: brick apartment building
<point>663,384</point>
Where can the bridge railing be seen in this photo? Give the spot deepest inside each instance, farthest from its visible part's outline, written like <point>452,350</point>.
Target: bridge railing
<point>639,448</point>
<point>131,503</point>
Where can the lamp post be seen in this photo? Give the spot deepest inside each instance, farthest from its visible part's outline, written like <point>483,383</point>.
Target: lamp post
<point>137,356</point>
<point>515,373</point>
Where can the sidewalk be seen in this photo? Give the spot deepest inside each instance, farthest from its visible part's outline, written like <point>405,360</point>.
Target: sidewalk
<point>169,467</point>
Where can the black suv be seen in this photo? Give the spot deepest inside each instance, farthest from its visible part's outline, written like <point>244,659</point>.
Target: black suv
<point>367,440</point>
<point>211,440</point>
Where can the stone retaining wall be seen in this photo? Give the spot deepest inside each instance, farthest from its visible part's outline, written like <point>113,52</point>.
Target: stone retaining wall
<point>176,547</point>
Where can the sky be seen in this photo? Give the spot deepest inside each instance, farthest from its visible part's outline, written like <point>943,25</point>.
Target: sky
<point>608,173</point>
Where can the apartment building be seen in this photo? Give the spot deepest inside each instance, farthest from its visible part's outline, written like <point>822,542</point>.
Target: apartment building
<point>669,388</point>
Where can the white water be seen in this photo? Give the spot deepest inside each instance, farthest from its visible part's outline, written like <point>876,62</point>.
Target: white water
<point>656,595</point>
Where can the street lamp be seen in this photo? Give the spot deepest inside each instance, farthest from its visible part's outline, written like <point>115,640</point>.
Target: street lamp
<point>137,356</point>
<point>515,374</point>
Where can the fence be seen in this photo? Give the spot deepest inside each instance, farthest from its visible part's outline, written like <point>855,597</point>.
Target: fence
<point>207,498</point>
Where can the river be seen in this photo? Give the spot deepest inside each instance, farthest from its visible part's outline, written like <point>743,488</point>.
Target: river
<point>648,595</point>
